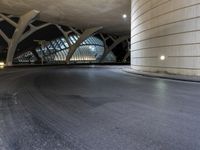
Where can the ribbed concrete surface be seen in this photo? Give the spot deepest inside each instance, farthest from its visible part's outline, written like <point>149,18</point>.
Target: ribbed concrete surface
<point>166,27</point>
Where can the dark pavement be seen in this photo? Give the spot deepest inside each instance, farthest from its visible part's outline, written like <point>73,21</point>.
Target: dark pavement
<point>97,108</point>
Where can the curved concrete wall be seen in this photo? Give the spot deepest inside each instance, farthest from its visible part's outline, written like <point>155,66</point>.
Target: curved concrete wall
<point>166,27</point>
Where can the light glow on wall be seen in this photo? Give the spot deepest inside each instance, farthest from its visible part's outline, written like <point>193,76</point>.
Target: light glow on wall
<point>2,65</point>
<point>124,16</point>
<point>162,57</point>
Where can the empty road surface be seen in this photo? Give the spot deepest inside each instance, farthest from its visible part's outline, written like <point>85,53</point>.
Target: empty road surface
<point>96,108</point>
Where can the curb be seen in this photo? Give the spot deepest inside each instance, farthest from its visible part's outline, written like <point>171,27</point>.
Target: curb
<point>165,76</point>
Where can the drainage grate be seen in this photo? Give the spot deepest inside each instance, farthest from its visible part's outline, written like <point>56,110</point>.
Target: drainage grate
<point>8,99</point>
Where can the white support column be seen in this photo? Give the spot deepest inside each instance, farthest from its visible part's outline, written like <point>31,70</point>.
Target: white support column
<point>65,34</point>
<point>74,30</point>
<point>29,16</point>
<point>9,16</point>
<point>109,49</point>
<point>20,28</point>
<point>32,30</point>
<point>4,36</point>
<point>128,53</point>
<point>14,24</point>
<point>104,41</point>
<point>82,38</point>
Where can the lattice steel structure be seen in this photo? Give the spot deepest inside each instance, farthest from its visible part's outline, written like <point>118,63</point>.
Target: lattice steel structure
<point>56,51</point>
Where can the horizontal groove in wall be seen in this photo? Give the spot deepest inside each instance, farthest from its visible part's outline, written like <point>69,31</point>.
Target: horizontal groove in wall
<point>170,28</point>
<point>154,7</point>
<point>135,2</point>
<point>165,67</point>
<point>184,56</point>
<point>172,11</point>
<point>166,46</point>
<point>144,57</point>
<point>172,34</point>
<point>140,6</point>
<point>157,57</point>
<point>171,23</point>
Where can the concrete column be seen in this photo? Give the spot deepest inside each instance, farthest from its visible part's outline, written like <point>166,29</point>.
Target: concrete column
<point>168,28</point>
<point>81,39</point>
<point>4,36</point>
<point>126,56</point>
<point>20,28</point>
<point>109,49</point>
<point>6,18</point>
<point>36,55</point>
<point>32,30</point>
<point>65,34</point>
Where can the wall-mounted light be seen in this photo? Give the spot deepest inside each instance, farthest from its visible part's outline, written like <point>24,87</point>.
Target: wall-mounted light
<point>162,57</point>
<point>2,65</point>
<point>124,16</point>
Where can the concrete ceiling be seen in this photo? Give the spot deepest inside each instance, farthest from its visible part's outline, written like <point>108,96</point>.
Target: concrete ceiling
<point>77,13</point>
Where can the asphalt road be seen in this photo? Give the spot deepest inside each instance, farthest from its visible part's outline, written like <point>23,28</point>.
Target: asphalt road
<point>99,108</point>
